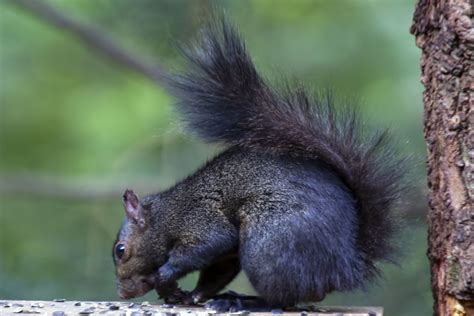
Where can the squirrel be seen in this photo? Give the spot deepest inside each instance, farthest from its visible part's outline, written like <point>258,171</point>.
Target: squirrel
<point>302,199</point>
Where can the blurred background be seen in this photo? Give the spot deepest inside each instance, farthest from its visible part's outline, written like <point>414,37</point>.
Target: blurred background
<point>77,128</point>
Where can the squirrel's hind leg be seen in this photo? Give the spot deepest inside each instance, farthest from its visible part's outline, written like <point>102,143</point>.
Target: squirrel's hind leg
<point>285,256</point>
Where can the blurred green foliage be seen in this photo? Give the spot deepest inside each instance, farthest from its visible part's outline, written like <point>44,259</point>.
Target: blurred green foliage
<point>68,113</point>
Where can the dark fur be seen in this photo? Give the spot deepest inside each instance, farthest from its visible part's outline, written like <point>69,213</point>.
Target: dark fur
<point>302,195</point>
<point>223,99</point>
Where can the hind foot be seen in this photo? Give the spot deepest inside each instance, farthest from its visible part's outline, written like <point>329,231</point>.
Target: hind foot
<point>233,302</point>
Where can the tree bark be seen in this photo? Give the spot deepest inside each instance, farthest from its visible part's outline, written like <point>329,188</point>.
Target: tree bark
<point>444,31</point>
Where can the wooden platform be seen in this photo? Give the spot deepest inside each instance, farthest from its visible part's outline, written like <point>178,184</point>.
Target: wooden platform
<point>62,307</point>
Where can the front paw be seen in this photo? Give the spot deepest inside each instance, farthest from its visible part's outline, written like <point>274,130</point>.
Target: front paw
<point>165,274</point>
<point>165,285</point>
<point>179,297</point>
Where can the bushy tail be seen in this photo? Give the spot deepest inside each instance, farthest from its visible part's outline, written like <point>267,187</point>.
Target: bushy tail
<point>223,99</point>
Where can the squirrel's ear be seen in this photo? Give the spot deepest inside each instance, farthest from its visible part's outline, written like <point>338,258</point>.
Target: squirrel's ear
<point>132,208</point>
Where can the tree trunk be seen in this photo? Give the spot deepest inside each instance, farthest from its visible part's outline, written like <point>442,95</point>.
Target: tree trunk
<point>444,31</point>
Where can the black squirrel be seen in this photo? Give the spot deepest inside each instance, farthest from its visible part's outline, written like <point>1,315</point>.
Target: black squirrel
<point>301,200</point>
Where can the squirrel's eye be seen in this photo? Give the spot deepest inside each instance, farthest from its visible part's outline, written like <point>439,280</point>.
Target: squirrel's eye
<point>119,250</point>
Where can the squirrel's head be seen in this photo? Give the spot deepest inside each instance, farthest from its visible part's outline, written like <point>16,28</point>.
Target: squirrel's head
<point>132,252</point>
